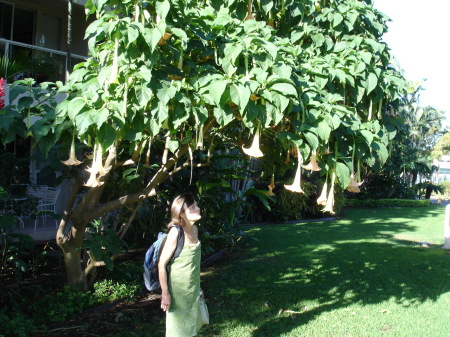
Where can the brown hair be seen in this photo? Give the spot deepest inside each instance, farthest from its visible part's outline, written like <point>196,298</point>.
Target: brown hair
<point>179,206</point>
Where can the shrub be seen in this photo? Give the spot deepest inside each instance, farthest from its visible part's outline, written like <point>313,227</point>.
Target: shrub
<point>109,291</point>
<point>373,203</point>
<point>383,186</point>
<point>294,206</point>
<point>15,324</point>
<point>60,305</point>
<point>446,187</point>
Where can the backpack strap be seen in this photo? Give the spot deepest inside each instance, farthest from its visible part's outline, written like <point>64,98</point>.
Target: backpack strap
<point>180,241</point>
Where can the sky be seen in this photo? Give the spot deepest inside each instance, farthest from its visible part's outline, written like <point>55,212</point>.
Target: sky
<point>419,37</point>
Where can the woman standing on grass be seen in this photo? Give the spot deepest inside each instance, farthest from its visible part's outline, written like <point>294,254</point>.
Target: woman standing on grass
<point>180,278</point>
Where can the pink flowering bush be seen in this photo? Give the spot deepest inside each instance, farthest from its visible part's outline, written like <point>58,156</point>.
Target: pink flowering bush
<point>2,93</point>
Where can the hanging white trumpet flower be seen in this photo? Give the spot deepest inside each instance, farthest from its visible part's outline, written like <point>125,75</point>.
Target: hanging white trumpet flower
<point>72,157</point>
<point>354,184</point>
<point>327,150</point>
<point>322,200</point>
<point>115,64</point>
<point>312,166</point>
<point>330,200</point>
<point>296,185</point>
<point>271,187</point>
<point>254,150</point>
<point>269,192</point>
<point>96,168</point>
<point>272,182</point>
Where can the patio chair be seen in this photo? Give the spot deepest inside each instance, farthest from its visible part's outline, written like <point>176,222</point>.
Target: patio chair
<point>37,191</point>
<point>47,205</point>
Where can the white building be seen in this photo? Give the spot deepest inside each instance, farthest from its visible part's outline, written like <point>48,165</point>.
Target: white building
<point>443,171</point>
<point>39,29</point>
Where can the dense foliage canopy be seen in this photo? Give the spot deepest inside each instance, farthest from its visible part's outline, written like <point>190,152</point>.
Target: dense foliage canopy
<point>167,80</point>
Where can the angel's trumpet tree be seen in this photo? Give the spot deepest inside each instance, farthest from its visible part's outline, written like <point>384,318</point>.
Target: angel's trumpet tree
<point>254,151</point>
<point>312,165</point>
<point>296,185</point>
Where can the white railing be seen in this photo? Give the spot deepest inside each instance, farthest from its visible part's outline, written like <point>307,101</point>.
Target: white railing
<point>9,43</point>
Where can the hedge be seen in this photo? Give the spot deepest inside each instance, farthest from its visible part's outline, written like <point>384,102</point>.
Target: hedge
<point>373,203</point>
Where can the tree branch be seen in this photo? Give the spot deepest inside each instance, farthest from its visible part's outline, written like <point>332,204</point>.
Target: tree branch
<point>149,191</point>
<point>61,238</point>
<point>123,229</point>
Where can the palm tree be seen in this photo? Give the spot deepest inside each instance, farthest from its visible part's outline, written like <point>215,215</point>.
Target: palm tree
<point>411,148</point>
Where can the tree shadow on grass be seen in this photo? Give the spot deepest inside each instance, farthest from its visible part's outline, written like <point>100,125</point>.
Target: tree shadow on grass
<point>335,264</point>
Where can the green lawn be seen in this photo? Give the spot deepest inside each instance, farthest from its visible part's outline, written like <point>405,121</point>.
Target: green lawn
<point>365,274</point>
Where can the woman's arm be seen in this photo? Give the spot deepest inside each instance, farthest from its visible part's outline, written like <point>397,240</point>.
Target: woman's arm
<point>166,255</point>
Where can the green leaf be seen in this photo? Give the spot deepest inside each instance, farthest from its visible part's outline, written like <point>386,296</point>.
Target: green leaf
<point>5,121</point>
<point>270,48</point>
<point>133,33</point>
<point>24,102</point>
<point>173,145</point>
<point>143,94</point>
<point>155,35</point>
<point>223,117</point>
<point>162,8</point>
<point>321,81</point>
<point>15,91</point>
<point>216,89</point>
<point>266,5</point>
<point>381,151</point>
<point>83,121</point>
<point>75,106</point>
<point>323,131</point>
<point>337,19</point>
<point>40,129</point>
<point>240,95</point>
<point>367,135</point>
<point>96,250</point>
<point>392,131</point>
<point>371,82</point>
<point>166,93</point>
<point>47,142</point>
<point>106,135</point>
<point>343,174</point>
<point>261,195</point>
<point>180,33</point>
<point>285,89</point>
<point>360,91</point>
<point>366,57</point>
<point>283,71</point>
<point>100,117</point>
<point>312,140</point>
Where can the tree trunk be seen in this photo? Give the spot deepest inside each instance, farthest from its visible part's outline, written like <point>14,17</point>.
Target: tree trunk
<point>428,192</point>
<point>72,261</point>
<point>81,273</point>
<point>71,249</point>
<point>413,179</point>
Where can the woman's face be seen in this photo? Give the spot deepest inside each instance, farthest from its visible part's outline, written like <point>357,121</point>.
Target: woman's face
<point>192,213</point>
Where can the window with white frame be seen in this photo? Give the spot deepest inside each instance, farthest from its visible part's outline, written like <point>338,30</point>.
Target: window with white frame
<point>33,39</point>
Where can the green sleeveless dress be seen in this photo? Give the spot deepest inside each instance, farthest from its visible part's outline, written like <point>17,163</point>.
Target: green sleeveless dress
<point>183,319</point>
